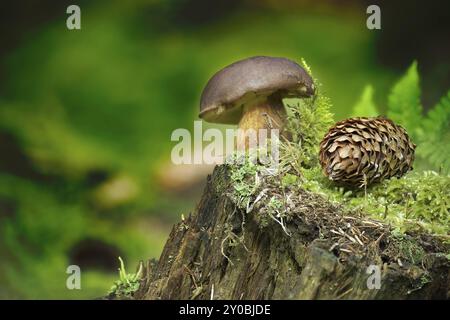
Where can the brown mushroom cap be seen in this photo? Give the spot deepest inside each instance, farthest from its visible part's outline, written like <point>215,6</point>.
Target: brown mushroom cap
<point>229,89</point>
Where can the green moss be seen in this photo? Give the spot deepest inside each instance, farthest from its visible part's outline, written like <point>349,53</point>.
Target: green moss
<point>408,249</point>
<point>289,180</point>
<point>307,122</point>
<point>243,175</point>
<point>419,200</point>
<point>274,211</point>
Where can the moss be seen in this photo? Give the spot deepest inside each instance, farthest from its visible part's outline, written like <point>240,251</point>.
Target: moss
<point>289,180</point>
<point>307,122</point>
<point>274,210</point>
<point>244,181</point>
<point>406,249</point>
<point>418,201</point>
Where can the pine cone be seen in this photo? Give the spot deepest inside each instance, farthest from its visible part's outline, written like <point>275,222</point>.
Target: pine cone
<point>362,151</point>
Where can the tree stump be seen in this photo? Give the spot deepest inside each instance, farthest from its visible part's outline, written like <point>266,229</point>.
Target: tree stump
<point>221,251</point>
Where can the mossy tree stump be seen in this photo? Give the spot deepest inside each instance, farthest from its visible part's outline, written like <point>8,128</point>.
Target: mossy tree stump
<point>222,251</point>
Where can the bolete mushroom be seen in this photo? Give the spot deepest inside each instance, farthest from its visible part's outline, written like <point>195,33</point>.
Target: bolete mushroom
<point>249,92</point>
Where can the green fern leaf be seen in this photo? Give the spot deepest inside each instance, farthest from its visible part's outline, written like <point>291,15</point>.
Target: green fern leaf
<point>434,138</point>
<point>404,106</point>
<point>365,107</point>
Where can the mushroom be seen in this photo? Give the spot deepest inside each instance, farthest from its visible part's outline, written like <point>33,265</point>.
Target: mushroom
<point>249,93</point>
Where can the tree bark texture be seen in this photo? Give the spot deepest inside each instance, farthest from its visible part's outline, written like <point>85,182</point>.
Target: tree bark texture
<point>202,259</point>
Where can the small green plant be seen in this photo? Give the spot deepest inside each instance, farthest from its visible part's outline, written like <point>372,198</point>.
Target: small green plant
<point>128,283</point>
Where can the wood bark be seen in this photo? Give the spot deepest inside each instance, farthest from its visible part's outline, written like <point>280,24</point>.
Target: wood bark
<point>198,261</point>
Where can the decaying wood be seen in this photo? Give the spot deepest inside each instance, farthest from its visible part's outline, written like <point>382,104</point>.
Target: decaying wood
<point>221,252</point>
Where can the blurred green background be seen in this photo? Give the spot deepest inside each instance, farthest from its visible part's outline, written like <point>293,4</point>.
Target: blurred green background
<point>86,115</point>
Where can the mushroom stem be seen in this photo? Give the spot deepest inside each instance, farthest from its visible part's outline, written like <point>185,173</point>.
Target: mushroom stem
<point>262,114</point>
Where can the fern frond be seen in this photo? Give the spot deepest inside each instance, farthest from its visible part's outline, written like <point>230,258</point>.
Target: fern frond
<point>434,138</point>
<point>404,106</point>
<point>365,107</point>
